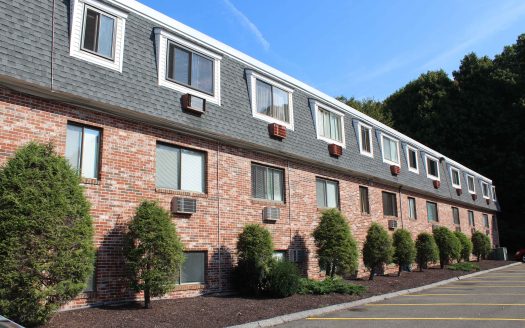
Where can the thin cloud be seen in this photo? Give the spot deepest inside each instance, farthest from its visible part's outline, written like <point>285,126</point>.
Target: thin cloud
<point>248,24</point>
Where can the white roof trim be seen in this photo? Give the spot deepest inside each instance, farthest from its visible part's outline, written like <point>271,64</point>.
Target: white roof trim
<point>201,38</point>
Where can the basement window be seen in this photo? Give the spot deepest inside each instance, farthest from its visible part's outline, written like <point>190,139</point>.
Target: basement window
<point>193,268</point>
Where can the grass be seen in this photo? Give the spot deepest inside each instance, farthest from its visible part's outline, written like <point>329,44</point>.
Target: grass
<point>328,286</point>
<point>464,266</point>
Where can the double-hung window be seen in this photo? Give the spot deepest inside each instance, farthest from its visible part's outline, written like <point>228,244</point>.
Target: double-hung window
<point>412,213</point>
<point>455,215</point>
<point>485,189</point>
<point>390,148</point>
<point>470,184</point>
<point>189,68</point>
<point>413,165</point>
<point>327,193</point>
<point>432,212</point>
<point>329,125</point>
<point>365,140</point>
<point>363,199</point>
<point>180,168</point>
<point>83,150</point>
<point>455,177</point>
<point>267,183</point>
<point>486,221</point>
<point>389,204</point>
<point>97,33</point>
<point>193,268</point>
<point>471,221</point>
<point>432,165</point>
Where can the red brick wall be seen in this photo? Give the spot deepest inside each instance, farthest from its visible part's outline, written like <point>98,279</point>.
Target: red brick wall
<point>127,176</point>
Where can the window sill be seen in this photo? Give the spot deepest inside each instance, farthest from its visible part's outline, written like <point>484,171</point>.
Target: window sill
<point>268,202</point>
<point>90,181</point>
<point>391,217</point>
<point>191,286</point>
<point>181,192</point>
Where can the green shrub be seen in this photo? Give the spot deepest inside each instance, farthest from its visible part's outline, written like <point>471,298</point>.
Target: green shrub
<point>487,246</point>
<point>254,251</point>
<point>464,266</point>
<point>404,248</point>
<point>336,248</point>
<point>153,251</point>
<point>283,279</point>
<point>328,286</point>
<point>377,250</point>
<point>466,246</point>
<point>426,250</point>
<point>480,245</point>
<point>448,245</point>
<point>46,235</point>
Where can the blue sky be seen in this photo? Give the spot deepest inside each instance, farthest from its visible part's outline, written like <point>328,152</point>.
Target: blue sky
<point>355,48</point>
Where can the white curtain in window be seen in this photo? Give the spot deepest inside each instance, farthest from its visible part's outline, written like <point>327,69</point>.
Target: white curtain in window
<point>202,73</point>
<point>264,98</point>
<point>105,36</point>
<point>321,191</point>
<point>390,150</point>
<point>90,153</point>
<point>192,170</point>
<point>280,105</point>
<point>335,127</point>
<point>73,146</point>
<point>168,159</point>
<point>331,194</point>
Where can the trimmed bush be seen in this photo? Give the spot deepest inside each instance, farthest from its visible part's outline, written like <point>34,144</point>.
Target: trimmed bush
<point>426,250</point>
<point>254,251</point>
<point>336,248</point>
<point>404,249</point>
<point>464,266</point>
<point>377,250</point>
<point>329,286</point>
<point>283,279</point>
<point>466,246</point>
<point>153,251</point>
<point>480,245</point>
<point>448,245</point>
<point>46,235</point>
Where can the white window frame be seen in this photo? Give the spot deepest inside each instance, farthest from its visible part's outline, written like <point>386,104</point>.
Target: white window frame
<point>398,150</point>
<point>411,169</point>
<point>430,176</point>
<point>473,191</point>
<point>493,191</point>
<point>251,78</point>
<point>162,41</point>
<point>317,106</point>
<point>359,130</point>
<point>483,183</point>
<point>458,186</point>
<point>78,10</point>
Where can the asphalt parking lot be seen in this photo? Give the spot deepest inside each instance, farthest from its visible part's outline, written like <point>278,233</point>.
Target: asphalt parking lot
<point>494,299</point>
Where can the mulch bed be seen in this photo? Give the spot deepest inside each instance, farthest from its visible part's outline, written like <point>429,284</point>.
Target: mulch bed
<point>221,311</point>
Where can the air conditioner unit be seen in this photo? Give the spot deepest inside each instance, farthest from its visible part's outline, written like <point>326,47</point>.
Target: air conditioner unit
<point>271,213</point>
<point>183,205</point>
<point>392,224</point>
<point>193,103</point>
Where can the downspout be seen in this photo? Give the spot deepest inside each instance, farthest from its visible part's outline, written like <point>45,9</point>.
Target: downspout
<point>219,219</point>
<point>401,207</point>
<point>52,44</point>
<point>289,202</point>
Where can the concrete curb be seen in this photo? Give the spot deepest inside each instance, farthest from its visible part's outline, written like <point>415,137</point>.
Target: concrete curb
<point>343,306</point>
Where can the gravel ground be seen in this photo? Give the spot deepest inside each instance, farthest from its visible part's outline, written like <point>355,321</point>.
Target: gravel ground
<point>221,311</point>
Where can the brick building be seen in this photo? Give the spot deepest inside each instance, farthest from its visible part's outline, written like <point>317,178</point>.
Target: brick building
<point>145,107</point>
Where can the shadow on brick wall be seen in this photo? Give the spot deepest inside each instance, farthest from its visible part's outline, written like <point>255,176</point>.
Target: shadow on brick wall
<point>298,253</point>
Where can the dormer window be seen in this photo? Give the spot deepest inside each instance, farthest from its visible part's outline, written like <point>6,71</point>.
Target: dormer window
<point>189,68</point>
<point>329,123</point>
<point>412,159</point>
<point>455,177</point>
<point>390,149</point>
<point>493,189</point>
<point>365,140</point>
<point>97,33</point>
<point>432,164</point>
<point>485,189</point>
<point>470,184</point>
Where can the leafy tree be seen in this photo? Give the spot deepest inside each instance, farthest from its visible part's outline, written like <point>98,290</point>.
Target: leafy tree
<point>448,245</point>
<point>377,250</point>
<point>466,246</point>
<point>426,250</point>
<point>370,107</point>
<point>487,247</point>
<point>153,251</point>
<point>46,235</point>
<point>404,249</point>
<point>336,248</point>
<point>254,252</point>
<point>479,245</point>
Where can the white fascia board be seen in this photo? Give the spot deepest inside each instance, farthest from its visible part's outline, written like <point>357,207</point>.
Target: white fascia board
<point>201,38</point>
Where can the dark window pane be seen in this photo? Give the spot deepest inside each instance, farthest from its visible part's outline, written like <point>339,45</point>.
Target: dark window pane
<point>91,30</point>
<point>365,204</point>
<point>455,215</point>
<point>412,158</point>
<point>432,167</point>
<point>193,268</point>
<point>432,214</point>
<point>181,65</point>
<point>389,204</point>
<point>264,98</point>
<point>365,139</point>
<point>202,73</point>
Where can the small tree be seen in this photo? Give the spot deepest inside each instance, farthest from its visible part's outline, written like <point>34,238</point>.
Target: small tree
<point>466,246</point>
<point>426,250</point>
<point>46,235</point>
<point>487,247</point>
<point>377,250</point>
<point>479,248</point>
<point>404,249</point>
<point>336,248</point>
<point>448,245</point>
<point>153,251</point>
<point>254,252</point>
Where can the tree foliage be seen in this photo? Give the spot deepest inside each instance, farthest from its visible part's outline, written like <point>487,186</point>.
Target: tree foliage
<point>480,245</point>
<point>370,107</point>
<point>466,246</point>
<point>153,251</point>
<point>448,245</point>
<point>377,249</point>
<point>426,250</point>
<point>336,247</point>
<point>46,246</point>
<point>404,248</point>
